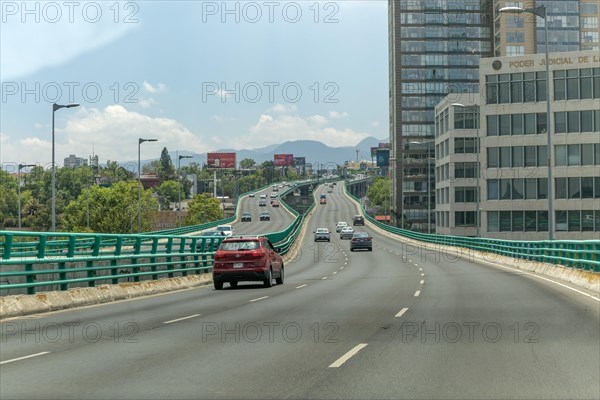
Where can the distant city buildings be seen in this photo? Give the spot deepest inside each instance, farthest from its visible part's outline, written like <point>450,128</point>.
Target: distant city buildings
<point>73,161</point>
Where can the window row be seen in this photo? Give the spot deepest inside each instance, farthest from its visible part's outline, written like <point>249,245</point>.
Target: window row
<point>516,88</point>
<point>465,145</point>
<point>465,218</point>
<point>576,84</point>
<point>577,121</point>
<point>465,194</point>
<point>442,149</point>
<point>577,188</point>
<point>576,154</point>
<point>517,189</point>
<point>578,220</point>
<point>466,117</point>
<point>517,221</point>
<point>443,218</point>
<point>442,195</point>
<point>517,156</point>
<point>516,124</point>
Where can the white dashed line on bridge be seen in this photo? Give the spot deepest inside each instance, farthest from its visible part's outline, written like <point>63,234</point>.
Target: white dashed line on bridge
<point>401,313</point>
<point>417,293</point>
<point>323,278</point>
<point>422,281</point>
<point>334,272</point>
<point>181,319</point>
<point>260,298</point>
<point>340,361</point>
<point>301,286</point>
<point>422,274</point>
<point>24,357</point>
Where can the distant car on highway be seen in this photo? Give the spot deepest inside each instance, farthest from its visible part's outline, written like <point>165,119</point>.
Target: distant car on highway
<point>361,240</point>
<point>212,233</point>
<point>340,225</point>
<point>226,229</point>
<point>247,259</point>
<point>323,201</point>
<point>263,196</point>
<point>275,203</point>
<point>265,216</point>
<point>262,203</point>
<point>246,217</point>
<point>346,233</point>
<point>322,234</point>
<point>358,220</point>
<point>251,195</point>
<point>273,195</point>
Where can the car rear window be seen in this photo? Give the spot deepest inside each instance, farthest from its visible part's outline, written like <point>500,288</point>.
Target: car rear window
<point>361,234</point>
<point>223,228</point>
<point>240,245</point>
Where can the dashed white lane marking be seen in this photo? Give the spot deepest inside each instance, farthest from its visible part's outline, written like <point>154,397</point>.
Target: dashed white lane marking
<point>401,313</point>
<point>341,267</point>
<point>417,293</point>
<point>420,269</point>
<point>416,265</point>
<point>260,298</point>
<point>422,274</point>
<point>340,361</point>
<point>422,281</point>
<point>323,278</point>
<point>334,272</point>
<point>181,319</point>
<point>24,357</point>
<point>301,286</point>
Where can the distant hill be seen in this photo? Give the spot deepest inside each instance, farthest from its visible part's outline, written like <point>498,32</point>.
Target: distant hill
<point>313,150</point>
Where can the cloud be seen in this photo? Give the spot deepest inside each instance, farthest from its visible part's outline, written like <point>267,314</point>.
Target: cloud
<point>145,103</point>
<point>337,115</point>
<point>112,133</point>
<point>375,124</point>
<point>283,109</point>
<point>161,87</point>
<point>278,129</point>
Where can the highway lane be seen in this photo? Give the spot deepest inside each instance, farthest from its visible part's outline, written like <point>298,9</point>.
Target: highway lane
<point>216,354</point>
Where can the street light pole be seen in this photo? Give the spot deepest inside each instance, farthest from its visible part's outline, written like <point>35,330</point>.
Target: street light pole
<point>140,141</point>
<point>540,11</point>
<point>54,108</point>
<point>21,166</point>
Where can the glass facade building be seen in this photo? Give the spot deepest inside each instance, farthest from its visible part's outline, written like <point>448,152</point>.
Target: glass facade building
<point>434,50</point>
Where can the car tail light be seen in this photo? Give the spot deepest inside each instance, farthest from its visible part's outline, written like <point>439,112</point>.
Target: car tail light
<point>354,239</point>
<point>258,253</point>
<point>218,255</point>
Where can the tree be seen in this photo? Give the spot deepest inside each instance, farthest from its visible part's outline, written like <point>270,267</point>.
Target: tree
<point>111,210</point>
<point>379,194</point>
<point>167,169</point>
<point>247,163</point>
<point>203,208</point>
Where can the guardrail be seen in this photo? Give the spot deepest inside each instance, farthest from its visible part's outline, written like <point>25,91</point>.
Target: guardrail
<point>89,259</point>
<point>578,254</point>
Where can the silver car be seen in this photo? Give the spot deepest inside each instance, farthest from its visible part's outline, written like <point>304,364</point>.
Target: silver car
<point>346,233</point>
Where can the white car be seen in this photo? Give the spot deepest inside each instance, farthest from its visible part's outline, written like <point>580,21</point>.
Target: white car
<point>263,196</point>
<point>346,232</point>
<point>273,195</point>
<point>340,225</point>
<point>227,230</point>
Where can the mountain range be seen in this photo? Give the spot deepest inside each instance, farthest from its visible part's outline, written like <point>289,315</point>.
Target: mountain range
<point>312,150</point>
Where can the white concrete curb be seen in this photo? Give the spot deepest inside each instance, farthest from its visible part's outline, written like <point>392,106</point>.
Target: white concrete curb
<point>20,305</point>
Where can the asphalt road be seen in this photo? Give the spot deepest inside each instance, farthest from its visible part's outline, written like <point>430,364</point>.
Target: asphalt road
<point>392,323</point>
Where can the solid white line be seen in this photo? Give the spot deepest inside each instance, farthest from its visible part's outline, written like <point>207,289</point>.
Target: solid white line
<point>401,313</point>
<point>301,286</point>
<point>24,357</point>
<point>324,278</point>
<point>260,298</point>
<point>520,271</point>
<point>422,281</point>
<point>417,293</point>
<point>181,319</point>
<point>347,356</point>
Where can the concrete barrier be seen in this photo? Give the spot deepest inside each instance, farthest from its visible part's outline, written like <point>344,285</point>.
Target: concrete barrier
<point>20,305</point>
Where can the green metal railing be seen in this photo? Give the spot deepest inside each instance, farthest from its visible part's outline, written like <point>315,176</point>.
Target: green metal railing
<point>90,259</point>
<point>579,254</point>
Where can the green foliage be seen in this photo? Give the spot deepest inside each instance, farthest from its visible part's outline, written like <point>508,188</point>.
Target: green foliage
<point>247,163</point>
<point>379,193</point>
<point>203,208</point>
<point>111,210</point>
<point>169,190</point>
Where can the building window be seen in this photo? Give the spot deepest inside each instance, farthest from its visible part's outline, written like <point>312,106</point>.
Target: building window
<point>560,188</point>
<point>492,189</point>
<point>493,221</point>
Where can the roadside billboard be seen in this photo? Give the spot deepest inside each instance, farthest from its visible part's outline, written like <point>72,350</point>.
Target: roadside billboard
<point>221,160</point>
<point>383,157</point>
<point>281,160</point>
<point>299,161</point>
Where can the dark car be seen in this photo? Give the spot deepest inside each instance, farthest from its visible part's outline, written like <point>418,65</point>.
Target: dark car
<point>323,201</point>
<point>247,259</point>
<point>265,216</point>
<point>246,217</point>
<point>322,234</point>
<point>262,203</point>
<point>361,240</point>
<point>358,220</point>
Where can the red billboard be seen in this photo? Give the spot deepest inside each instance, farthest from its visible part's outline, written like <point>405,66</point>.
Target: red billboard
<point>221,160</point>
<point>281,160</point>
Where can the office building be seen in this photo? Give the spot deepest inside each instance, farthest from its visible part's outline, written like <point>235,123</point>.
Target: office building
<point>73,161</point>
<point>513,156</point>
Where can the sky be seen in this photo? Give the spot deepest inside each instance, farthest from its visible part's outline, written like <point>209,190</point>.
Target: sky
<point>196,75</point>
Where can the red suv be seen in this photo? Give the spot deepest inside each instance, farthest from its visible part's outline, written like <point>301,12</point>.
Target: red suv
<point>247,259</point>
